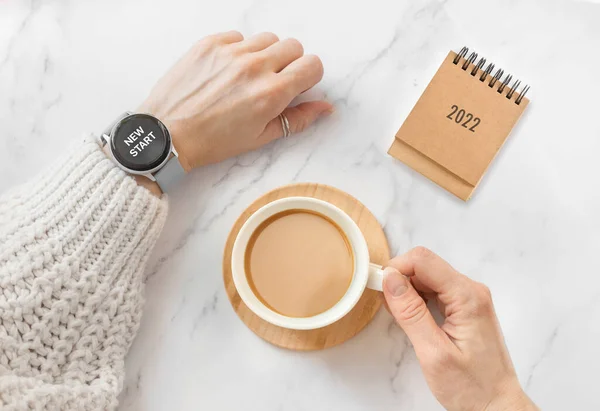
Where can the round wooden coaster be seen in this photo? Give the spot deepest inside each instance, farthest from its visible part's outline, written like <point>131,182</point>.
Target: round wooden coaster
<point>355,320</point>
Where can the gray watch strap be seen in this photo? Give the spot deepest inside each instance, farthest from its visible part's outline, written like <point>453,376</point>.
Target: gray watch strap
<point>105,136</point>
<point>170,174</point>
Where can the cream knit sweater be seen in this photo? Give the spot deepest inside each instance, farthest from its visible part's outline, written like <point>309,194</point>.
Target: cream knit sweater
<point>73,245</point>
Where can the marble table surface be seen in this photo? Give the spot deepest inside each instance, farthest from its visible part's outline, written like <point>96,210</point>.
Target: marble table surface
<point>531,232</point>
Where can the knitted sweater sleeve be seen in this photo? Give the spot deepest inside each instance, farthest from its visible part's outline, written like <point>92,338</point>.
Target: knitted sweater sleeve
<point>73,245</point>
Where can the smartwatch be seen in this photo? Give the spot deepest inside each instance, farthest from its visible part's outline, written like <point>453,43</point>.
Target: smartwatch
<point>141,144</point>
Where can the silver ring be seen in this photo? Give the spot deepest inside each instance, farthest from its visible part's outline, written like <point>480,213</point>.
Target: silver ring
<point>285,125</point>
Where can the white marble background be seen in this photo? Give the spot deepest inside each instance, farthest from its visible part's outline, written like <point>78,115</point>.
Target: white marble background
<point>531,232</point>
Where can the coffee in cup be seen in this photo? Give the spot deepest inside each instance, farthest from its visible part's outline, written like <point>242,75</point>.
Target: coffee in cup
<point>299,263</point>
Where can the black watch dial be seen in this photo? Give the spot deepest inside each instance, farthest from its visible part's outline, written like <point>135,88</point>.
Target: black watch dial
<point>140,142</point>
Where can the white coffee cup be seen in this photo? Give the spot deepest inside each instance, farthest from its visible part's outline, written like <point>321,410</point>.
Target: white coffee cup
<point>366,274</point>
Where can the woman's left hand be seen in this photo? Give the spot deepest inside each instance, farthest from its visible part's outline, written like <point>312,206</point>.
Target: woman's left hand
<point>224,96</point>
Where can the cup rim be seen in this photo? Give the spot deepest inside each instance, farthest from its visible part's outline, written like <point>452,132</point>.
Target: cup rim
<point>359,276</point>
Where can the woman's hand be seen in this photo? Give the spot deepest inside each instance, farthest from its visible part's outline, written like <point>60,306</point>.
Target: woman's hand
<point>223,97</point>
<point>465,361</point>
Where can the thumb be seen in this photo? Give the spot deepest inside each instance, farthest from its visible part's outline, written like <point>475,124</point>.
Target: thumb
<point>300,117</point>
<point>411,312</point>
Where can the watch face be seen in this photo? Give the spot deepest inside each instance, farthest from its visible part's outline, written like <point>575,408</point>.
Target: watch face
<point>140,142</point>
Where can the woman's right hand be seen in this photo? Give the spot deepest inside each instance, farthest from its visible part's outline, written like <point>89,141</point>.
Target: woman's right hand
<point>465,361</point>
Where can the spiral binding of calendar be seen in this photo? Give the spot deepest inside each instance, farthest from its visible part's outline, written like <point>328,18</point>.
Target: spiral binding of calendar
<point>487,72</point>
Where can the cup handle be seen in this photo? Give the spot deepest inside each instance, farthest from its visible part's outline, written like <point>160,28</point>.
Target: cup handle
<point>375,281</point>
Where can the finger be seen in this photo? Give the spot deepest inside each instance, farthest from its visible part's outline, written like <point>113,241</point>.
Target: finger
<point>387,307</point>
<point>412,315</point>
<point>227,37</point>
<point>281,54</point>
<point>300,117</point>
<point>431,272</point>
<point>419,286</point>
<point>425,298</point>
<point>302,74</point>
<point>259,42</point>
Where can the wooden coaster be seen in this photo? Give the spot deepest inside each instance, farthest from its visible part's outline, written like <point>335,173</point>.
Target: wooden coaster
<point>355,320</point>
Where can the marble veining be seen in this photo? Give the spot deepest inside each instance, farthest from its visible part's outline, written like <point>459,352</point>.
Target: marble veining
<point>531,232</point>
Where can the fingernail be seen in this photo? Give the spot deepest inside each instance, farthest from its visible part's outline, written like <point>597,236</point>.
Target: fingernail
<point>329,111</point>
<point>396,283</point>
